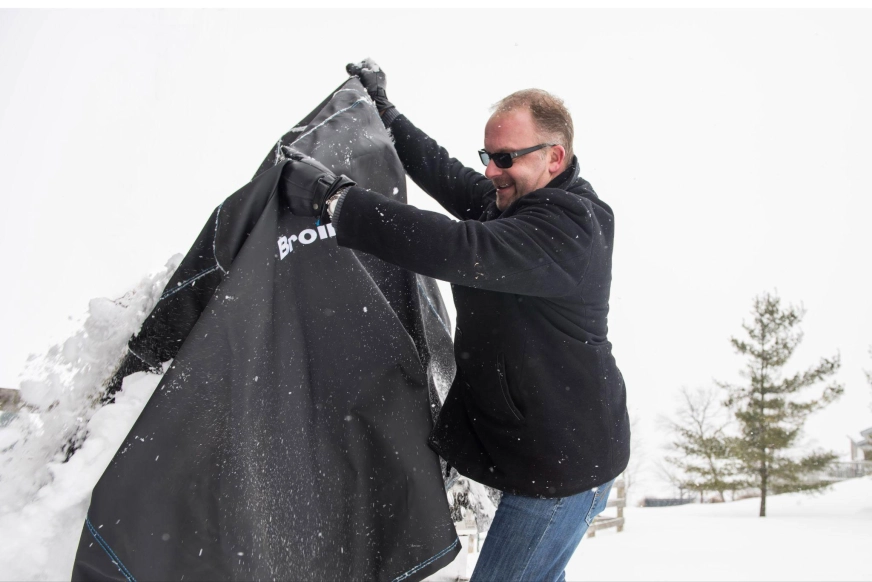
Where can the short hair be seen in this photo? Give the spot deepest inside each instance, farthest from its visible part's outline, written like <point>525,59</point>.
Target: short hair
<point>549,113</point>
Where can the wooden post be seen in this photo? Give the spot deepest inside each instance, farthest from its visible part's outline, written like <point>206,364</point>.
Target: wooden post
<point>619,502</point>
<point>621,495</point>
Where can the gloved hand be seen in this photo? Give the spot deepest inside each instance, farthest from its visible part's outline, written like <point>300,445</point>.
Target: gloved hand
<point>374,81</point>
<point>307,185</point>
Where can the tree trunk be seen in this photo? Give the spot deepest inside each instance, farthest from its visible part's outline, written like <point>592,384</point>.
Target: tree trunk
<point>763,485</point>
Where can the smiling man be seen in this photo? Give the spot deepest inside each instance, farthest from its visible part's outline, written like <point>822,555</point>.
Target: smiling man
<point>506,133</point>
<point>537,408</point>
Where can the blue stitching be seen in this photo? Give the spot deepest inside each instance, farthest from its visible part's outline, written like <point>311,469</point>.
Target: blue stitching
<point>115,560</point>
<point>428,562</point>
<point>353,105</point>
<point>184,284</point>
<point>144,361</point>
<point>215,239</point>
<point>424,292</point>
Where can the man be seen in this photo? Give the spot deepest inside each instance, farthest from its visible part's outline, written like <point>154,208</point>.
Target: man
<point>537,408</point>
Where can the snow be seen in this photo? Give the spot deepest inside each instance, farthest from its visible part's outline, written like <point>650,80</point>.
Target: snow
<point>43,500</point>
<point>804,537</point>
<point>39,540</point>
<point>368,65</point>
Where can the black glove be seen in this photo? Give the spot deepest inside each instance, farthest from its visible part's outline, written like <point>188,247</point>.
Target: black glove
<point>307,185</point>
<point>374,81</point>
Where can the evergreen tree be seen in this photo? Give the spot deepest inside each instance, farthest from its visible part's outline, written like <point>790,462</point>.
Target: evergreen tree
<point>768,408</point>
<point>699,435</point>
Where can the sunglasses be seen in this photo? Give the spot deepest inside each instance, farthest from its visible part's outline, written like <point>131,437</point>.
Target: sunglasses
<point>504,160</point>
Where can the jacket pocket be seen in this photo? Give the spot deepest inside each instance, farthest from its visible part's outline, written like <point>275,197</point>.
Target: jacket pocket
<point>504,388</point>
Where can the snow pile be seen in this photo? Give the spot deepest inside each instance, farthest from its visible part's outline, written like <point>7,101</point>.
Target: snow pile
<point>42,499</point>
<point>65,386</point>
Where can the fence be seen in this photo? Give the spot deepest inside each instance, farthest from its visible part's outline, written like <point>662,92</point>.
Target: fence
<point>841,470</point>
<point>667,502</point>
<point>605,522</point>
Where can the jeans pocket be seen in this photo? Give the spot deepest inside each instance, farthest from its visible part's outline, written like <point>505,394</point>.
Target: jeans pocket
<point>599,501</point>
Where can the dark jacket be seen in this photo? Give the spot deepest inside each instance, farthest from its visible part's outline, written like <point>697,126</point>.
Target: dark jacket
<point>538,405</point>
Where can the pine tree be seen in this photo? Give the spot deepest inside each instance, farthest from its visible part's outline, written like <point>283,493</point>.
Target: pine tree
<point>768,408</point>
<point>699,435</point>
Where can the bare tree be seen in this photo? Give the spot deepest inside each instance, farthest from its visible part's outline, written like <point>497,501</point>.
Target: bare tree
<point>699,437</point>
<point>636,466</point>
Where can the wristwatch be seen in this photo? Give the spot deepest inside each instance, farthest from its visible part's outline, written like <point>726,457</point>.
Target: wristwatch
<point>331,202</point>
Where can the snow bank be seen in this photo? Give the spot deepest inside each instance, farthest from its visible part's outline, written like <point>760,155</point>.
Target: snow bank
<point>43,500</point>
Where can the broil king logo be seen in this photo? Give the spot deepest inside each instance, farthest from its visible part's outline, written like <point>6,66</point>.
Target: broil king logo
<point>308,236</point>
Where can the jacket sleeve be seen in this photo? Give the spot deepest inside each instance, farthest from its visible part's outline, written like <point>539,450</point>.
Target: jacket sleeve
<point>462,191</point>
<point>539,251</point>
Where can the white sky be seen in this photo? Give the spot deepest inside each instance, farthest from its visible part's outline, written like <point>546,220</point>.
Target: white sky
<point>733,145</point>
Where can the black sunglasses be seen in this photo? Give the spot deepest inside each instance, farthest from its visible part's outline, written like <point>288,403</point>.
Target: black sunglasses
<point>504,160</point>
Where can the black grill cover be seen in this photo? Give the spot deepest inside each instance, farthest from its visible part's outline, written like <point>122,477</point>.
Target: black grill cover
<point>288,439</point>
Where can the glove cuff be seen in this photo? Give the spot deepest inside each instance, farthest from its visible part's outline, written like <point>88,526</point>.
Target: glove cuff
<point>389,115</point>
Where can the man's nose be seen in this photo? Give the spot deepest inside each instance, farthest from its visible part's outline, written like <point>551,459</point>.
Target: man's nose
<point>492,171</point>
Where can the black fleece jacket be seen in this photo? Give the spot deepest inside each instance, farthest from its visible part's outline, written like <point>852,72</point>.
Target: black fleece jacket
<point>538,405</point>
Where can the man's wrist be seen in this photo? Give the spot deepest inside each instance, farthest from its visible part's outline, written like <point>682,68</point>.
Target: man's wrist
<point>334,200</point>
<point>389,115</point>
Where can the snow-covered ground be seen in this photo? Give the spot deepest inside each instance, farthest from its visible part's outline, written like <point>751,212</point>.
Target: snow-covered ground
<point>804,537</point>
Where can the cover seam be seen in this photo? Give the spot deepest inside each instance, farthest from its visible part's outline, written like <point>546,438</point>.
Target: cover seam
<point>427,562</point>
<point>184,284</point>
<point>112,556</point>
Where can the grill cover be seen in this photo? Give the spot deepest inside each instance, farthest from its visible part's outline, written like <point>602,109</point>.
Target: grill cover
<point>288,439</point>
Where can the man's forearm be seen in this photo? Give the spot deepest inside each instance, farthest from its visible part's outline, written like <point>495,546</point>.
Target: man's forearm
<point>460,190</point>
<point>499,255</point>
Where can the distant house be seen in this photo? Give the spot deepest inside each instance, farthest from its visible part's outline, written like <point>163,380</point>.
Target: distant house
<point>10,400</point>
<point>10,404</point>
<point>862,450</point>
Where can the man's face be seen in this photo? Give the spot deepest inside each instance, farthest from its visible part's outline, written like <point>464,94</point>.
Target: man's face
<point>511,131</point>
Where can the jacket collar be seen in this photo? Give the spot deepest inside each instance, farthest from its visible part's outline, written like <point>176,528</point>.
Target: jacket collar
<point>564,180</point>
<point>567,177</point>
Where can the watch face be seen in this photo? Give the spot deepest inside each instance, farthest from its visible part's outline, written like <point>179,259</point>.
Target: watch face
<point>331,202</point>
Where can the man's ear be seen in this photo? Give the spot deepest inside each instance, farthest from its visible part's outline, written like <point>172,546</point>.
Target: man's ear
<point>556,158</point>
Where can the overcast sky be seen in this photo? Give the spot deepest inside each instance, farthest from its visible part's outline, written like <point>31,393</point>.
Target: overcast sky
<point>733,145</point>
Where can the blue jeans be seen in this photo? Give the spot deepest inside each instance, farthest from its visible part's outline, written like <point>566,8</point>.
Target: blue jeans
<point>533,539</point>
